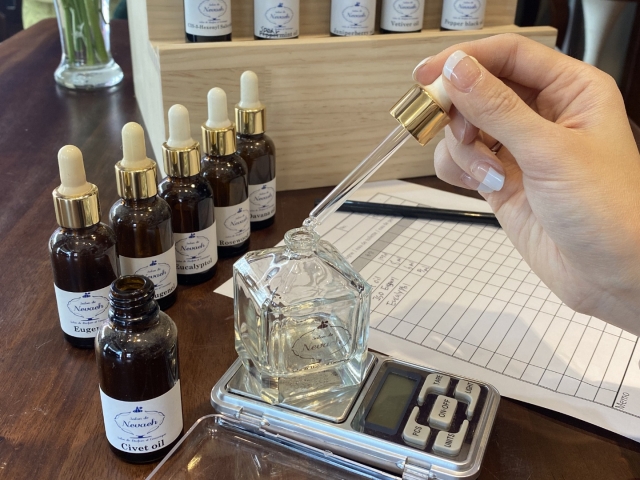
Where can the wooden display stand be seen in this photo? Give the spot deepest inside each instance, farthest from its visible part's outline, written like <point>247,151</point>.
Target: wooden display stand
<point>327,98</point>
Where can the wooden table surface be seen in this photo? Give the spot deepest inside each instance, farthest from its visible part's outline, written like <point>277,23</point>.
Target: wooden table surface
<point>50,418</point>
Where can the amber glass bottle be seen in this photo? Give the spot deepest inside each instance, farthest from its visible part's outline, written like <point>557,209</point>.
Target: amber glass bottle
<point>142,220</point>
<point>139,373</point>
<point>191,200</point>
<point>82,252</point>
<point>258,150</point>
<point>226,171</point>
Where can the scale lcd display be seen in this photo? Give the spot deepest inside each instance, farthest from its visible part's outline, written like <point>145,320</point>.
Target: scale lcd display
<point>391,401</point>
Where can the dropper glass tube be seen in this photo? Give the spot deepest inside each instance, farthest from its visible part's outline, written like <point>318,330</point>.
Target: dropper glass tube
<point>422,113</point>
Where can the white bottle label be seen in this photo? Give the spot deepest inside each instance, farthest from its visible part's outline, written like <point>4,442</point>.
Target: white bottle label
<point>144,426</point>
<point>210,18</point>
<point>161,270</point>
<point>196,252</point>
<point>402,15</point>
<point>463,14</point>
<point>82,313</point>
<point>276,19</point>
<point>262,198</point>
<point>233,224</point>
<point>350,17</point>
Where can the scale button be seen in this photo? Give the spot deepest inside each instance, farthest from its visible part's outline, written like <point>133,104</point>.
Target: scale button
<point>442,412</point>
<point>415,434</point>
<point>450,443</point>
<point>469,393</point>
<point>435,383</point>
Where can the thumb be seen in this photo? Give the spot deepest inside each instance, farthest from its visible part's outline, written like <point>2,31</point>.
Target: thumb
<point>489,104</point>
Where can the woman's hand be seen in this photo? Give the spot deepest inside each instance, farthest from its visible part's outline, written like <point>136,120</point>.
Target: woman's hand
<point>565,186</point>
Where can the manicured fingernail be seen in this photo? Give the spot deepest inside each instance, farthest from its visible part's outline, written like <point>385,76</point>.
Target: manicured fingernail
<point>418,70</point>
<point>462,71</point>
<point>487,175</point>
<point>473,184</point>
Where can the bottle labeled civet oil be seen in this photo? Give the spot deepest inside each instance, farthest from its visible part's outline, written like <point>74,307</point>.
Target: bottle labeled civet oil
<point>258,150</point>
<point>142,220</point>
<point>191,200</point>
<point>139,373</point>
<point>82,251</point>
<point>207,20</point>
<point>226,171</point>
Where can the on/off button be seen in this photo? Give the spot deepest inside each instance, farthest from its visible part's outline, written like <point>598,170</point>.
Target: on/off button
<point>442,412</point>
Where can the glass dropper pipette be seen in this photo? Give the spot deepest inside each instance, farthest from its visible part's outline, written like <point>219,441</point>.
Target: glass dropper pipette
<point>422,113</point>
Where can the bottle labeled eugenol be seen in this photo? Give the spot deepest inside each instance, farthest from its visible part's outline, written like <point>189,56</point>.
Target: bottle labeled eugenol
<point>401,16</point>
<point>139,373</point>
<point>226,171</point>
<point>191,200</point>
<point>350,17</point>
<point>276,19</point>
<point>258,150</point>
<point>463,14</point>
<point>142,221</point>
<point>207,20</point>
<point>82,251</point>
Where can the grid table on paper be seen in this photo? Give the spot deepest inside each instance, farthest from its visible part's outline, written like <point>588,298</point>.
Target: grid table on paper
<point>465,291</point>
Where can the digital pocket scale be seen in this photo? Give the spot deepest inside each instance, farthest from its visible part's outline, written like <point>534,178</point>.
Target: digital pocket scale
<point>404,421</point>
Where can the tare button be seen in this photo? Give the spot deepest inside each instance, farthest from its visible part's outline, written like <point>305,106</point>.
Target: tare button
<point>442,412</point>
<point>469,393</point>
<point>435,383</point>
<point>414,433</point>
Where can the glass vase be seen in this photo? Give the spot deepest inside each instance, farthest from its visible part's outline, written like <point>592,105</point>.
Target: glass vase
<point>86,54</point>
<point>301,319</point>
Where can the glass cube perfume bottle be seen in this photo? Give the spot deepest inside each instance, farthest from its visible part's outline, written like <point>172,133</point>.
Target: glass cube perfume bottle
<point>301,319</point>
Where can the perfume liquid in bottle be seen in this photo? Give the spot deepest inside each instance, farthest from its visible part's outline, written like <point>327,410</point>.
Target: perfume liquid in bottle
<point>401,16</point>
<point>207,20</point>
<point>301,318</point>
<point>82,251</point>
<point>191,200</point>
<point>142,220</point>
<point>226,171</point>
<point>351,17</point>
<point>462,14</point>
<point>139,373</point>
<point>258,150</point>
<point>276,19</point>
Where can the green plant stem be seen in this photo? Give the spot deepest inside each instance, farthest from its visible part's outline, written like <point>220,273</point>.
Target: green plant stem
<point>91,9</point>
<point>68,33</point>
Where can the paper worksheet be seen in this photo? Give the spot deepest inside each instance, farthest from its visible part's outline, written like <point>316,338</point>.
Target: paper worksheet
<point>459,298</point>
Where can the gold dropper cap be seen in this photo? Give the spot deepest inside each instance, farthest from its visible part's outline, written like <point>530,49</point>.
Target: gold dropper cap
<point>181,153</point>
<point>218,132</point>
<point>136,173</point>
<point>421,113</point>
<point>250,112</point>
<point>75,201</point>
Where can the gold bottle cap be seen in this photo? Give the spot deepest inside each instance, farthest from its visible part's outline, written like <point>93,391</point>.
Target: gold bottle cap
<point>250,112</point>
<point>181,153</point>
<point>75,201</point>
<point>421,113</point>
<point>135,173</point>
<point>218,133</point>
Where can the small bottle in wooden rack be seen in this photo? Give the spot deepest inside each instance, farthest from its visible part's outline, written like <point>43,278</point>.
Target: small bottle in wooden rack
<point>207,20</point>
<point>191,200</point>
<point>276,19</point>
<point>82,251</point>
<point>142,220</point>
<point>139,373</point>
<point>227,173</point>
<point>462,14</point>
<point>351,17</point>
<point>401,16</point>
<point>258,150</point>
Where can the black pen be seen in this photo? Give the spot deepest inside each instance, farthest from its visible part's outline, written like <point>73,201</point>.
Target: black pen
<point>417,212</point>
